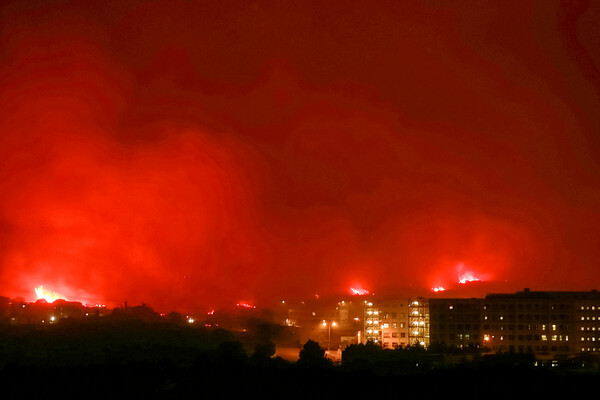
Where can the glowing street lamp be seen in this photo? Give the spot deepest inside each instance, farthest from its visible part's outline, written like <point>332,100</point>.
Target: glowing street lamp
<point>329,325</point>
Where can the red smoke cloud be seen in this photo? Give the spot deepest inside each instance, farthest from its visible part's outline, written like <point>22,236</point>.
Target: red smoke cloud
<point>95,211</point>
<point>166,220</point>
<point>185,154</point>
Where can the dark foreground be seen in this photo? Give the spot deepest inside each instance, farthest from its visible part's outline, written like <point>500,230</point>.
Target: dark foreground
<point>136,361</point>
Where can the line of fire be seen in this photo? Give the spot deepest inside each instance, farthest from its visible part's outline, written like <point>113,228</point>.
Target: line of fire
<point>550,325</point>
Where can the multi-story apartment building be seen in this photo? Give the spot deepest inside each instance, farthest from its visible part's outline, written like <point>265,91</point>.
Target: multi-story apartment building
<point>456,322</point>
<point>418,321</point>
<point>550,325</point>
<point>371,322</point>
<point>396,322</point>
<point>393,314</point>
<point>547,324</point>
<point>587,324</point>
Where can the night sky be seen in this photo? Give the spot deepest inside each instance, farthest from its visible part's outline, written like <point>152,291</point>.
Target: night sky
<point>192,153</point>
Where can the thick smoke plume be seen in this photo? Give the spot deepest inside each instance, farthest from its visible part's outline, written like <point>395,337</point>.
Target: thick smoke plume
<point>189,154</point>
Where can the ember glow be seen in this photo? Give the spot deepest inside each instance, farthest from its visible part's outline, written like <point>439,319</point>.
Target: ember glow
<point>188,154</point>
<point>245,305</point>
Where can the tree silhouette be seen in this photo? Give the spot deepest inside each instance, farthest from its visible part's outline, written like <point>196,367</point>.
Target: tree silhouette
<point>312,355</point>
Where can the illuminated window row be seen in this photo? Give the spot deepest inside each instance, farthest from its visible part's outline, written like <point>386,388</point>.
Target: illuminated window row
<point>521,338</point>
<point>522,327</point>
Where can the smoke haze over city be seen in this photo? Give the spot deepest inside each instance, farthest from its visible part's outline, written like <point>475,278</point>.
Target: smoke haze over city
<point>189,154</point>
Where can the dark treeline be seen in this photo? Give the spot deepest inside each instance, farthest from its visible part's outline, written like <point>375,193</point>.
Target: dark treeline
<point>120,356</point>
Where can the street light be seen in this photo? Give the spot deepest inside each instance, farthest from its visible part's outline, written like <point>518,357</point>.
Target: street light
<point>333,323</point>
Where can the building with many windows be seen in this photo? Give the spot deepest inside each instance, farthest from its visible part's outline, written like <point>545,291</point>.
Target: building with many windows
<point>371,322</point>
<point>456,323</point>
<point>586,335</point>
<point>396,322</point>
<point>549,325</point>
<point>418,321</point>
<point>393,317</point>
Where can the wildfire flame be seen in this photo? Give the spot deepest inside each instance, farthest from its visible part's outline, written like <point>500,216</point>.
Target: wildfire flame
<point>359,292</point>
<point>44,294</point>
<point>468,277</point>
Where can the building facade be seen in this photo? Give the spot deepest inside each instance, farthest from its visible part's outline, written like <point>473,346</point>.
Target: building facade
<point>396,322</point>
<point>456,323</point>
<point>393,322</point>
<point>418,321</point>
<point>549,325</point>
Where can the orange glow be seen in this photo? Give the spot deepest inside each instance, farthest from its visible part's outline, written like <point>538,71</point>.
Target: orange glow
<point>135,170</point>
<point>245,305</point>
<point>44,294</point>
<point>468,277</point>
<point>359,291</point>
<point>438,289</point>
<point>76,296</point>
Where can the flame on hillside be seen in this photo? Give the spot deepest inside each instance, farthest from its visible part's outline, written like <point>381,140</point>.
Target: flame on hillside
<point>43,294</point>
